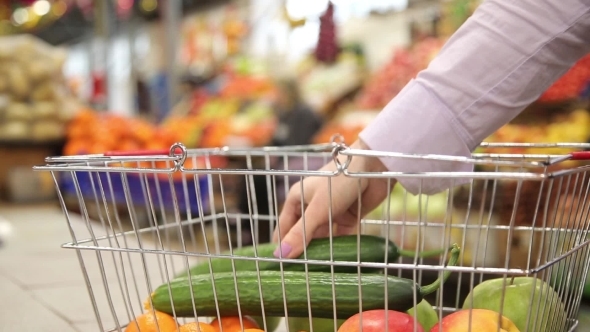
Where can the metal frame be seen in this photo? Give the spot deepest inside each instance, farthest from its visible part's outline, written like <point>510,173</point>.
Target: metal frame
<point>514,168</point>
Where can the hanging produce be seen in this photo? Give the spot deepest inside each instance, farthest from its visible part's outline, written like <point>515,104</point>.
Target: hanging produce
<point>327,48</point>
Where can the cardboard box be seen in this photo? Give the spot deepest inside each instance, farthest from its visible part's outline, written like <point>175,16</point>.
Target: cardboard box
<point>15,180</point>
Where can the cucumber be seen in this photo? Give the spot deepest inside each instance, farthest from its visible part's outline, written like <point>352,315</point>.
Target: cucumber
<point>401,293</point>
<point>373,249</point>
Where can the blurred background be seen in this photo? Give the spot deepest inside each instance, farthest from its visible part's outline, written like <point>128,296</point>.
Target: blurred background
<point>85,77</point>
<point>89,77</point>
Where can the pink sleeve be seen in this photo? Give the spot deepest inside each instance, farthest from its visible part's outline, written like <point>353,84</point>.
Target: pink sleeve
<point>501,60</point>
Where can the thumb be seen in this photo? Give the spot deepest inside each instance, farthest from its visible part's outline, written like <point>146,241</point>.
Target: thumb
<point>299,236</point>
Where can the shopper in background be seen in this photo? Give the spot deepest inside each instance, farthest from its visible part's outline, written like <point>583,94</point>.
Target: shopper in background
<point>297,125</point>
<point>298,122</point>
<point>500,61</point>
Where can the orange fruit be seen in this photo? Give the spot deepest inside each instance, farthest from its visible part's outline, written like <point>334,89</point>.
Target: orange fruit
<point>232,324</point>
<point>253,330</point>
<point>197,327</point>
<point>147,323</point>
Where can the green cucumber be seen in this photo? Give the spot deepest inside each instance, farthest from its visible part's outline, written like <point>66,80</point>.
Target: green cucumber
<point>256,288</point>
<point>373,249</point>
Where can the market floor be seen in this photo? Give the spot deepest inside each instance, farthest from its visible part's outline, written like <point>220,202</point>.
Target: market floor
<point>46,290</point>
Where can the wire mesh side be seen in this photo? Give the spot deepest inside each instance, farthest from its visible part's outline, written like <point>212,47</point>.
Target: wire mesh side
<point>135,232</point>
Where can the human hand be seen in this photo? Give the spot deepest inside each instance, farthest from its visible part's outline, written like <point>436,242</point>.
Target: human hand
<point>345,204</point>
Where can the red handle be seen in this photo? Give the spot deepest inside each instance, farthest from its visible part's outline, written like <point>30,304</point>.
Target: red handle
<point>163,152</point>
<point>580,155</point>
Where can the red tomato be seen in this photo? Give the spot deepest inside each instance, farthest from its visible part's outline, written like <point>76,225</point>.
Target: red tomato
<point>377,320</point>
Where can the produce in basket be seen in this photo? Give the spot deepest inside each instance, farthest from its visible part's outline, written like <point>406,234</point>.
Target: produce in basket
<point>425,315</point>
<point>148,322</point>
<point>196,327</point>
<point>379,321</point>
<point>233,323</point>
<point>271,322</point>
<point>523,299</point>
<point>249,291</point>
<point>480,320</point>
<point>317,324</point>
<point>373,249</point>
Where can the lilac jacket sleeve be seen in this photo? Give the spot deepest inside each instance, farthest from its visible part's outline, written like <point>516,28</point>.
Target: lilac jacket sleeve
<point>501,60</point>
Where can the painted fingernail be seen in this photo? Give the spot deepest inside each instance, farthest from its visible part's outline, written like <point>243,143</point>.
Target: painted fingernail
<point>283,250</point>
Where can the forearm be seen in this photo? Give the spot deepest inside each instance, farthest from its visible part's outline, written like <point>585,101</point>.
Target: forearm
<point>501,60</point>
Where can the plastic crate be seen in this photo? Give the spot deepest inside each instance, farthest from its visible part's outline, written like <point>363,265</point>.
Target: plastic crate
<point>141,188</point>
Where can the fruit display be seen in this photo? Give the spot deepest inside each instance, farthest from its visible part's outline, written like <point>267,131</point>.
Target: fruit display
<point>213,124</point>
<point>92,132</point>
<point>348,125</point>
<point>322,84</point>
<point>405,64</point>
<point>35,102</point>
<point>571,85</point>
<point>220,119</point>
<point>453,14</point>
<point>567,126</point>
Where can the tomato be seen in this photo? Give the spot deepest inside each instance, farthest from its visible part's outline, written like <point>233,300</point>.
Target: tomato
<point>379,321</point>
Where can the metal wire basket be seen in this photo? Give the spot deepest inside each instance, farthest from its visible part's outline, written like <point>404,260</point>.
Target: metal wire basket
<point>140,222</point>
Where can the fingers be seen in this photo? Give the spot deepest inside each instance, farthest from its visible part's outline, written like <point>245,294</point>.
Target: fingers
<point>297,228</point>
<point>290,213</point>
<point>302,232</point>
<point>317,212</point>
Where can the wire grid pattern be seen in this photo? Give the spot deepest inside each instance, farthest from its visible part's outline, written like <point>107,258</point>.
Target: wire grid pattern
<point>143,229</point>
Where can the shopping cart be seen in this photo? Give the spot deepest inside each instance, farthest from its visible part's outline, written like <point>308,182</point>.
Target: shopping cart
<point>518,223</point>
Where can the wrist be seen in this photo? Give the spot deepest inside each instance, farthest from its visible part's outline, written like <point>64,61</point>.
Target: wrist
<point>370,164</point>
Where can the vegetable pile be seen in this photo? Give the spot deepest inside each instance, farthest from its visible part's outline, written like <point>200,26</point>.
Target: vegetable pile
<point>329,286</point>
<point>249,290</point>
<point>35,101</point>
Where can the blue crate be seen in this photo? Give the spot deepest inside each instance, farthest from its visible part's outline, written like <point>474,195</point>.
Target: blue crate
<point>90,188</point>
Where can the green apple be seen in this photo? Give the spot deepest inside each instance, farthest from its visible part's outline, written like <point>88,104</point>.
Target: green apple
<point>271,322</point>
<point>319,324</point>
<point>529,302</point>
<point>425,315</point>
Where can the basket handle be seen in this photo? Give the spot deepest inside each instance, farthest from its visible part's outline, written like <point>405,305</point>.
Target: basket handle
<point>580,155</point>
<point>215,161</point>
<point>162,152</point>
